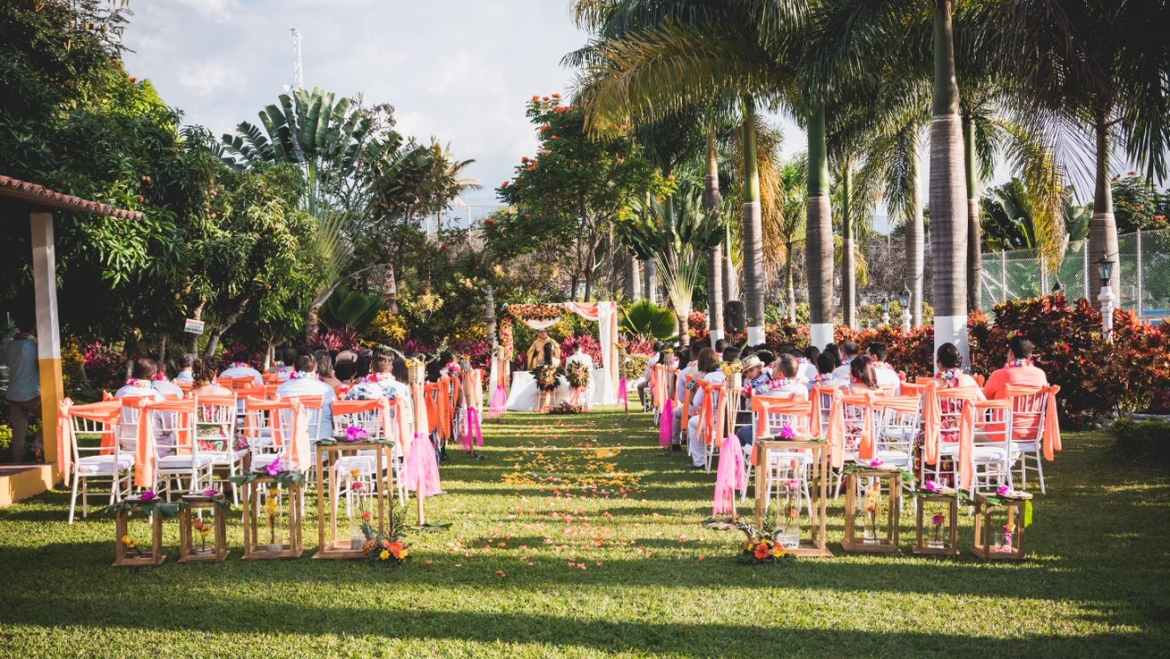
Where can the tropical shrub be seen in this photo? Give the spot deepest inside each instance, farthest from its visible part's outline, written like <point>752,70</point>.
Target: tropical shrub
<point>1142,438</point>
<point>105,368</point>
<point>591,346</point>
<point>649,321</point>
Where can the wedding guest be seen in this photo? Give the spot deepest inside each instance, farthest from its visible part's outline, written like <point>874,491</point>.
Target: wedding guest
<point>720,346</point>
<point>849,351</point>
<point>808,363</point>
<point>950,373</point>
<point>186,364</point>
<point>755,380</point>
<point>887,377</point>
<point>24,386</point>
<point>241,367</point>
<point>862,375</point>
<point>161,384</point>
<point>731,354</point>
<point>681,391</point>
<point>786,384</point>
<point>304,381</point>
<point>826,364</point>
<point>1018,372</point>
<point>325,369</point>
<point>203,376</point>
<point>708,366</point>
<point>140,384</point>
<point>345,366</point>
<point>644,383</point>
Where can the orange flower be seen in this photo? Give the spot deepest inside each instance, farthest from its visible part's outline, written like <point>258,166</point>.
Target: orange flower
<point>870,508</point>
<point>763,551</point>
<point>395,548</point>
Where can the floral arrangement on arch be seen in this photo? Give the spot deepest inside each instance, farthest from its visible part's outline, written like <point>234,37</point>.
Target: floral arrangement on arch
<point>761,547</point>
<point>546,377</point>
<point>385,549</point>
<point>577,373</point>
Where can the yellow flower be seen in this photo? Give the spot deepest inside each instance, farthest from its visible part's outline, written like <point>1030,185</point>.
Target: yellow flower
<point>272,507</point>
<point>403,554</point>
<point>272,491</point>
<point>126,539</point>
<point>384,555</point>
<point>355,473</point>
<point>778,551</point>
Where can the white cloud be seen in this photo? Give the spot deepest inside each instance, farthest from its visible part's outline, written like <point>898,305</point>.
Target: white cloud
<point>208,77</point>
<point>217,10</point>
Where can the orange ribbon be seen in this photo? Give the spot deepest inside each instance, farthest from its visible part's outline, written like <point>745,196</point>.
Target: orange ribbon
<point>431,398</point>
<point>1051,442</point>
<point>932,414</point>
<point>107,412</point>
<point>710,412</point>
<point>798,409</point>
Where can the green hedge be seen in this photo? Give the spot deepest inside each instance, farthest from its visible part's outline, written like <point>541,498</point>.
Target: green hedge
<point>1143,438</point>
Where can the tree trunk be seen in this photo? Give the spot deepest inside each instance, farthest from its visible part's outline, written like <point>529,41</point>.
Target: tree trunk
<point>193,339</point>
<point>1103,226</point>
<point>390,290</point>
<point>753,230</point>
<point>684,329</point>
<point>730,277</point>
<point>848,255</point>
<point>818,252</point>
<point>789,283</point>
<point>948,216</point>
<point>915,252</point>
<point>974,233</point>
<point>633,278</point>
<point>213,340</point>
<point>163,339</point>
<point>312,324</point>
<point>712,200</point>
<point>650,272</point>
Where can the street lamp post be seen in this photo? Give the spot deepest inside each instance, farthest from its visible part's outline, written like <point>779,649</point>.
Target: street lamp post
<point>886,310</point>
<point>904,300</point>
<point>1105,272</point>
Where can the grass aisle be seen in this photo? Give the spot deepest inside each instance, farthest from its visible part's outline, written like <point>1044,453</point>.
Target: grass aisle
<point>573,538</point>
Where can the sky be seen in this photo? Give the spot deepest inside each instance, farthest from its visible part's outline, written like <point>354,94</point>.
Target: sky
<point>457,70</point>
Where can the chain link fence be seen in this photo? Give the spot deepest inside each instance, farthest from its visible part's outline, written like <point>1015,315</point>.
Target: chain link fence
<point>1144,263</point>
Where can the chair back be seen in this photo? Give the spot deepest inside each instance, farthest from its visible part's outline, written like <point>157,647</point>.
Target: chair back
<point>899,422</point>
<point>861,418</point>
<point>369,415</point>
<point>950,404</point>
<point>130,418</point>
<point>773,413</point>
<point>1029,408</point>
<point>215,422</point>
<point>89,422</point>
<point>174,419</point>
<point>313,407</point>
<point>992,419</point>
<point>712,414</point>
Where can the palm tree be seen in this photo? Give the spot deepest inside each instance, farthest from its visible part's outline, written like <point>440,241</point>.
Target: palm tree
<point>1102,65</point>
<point>786,225</point>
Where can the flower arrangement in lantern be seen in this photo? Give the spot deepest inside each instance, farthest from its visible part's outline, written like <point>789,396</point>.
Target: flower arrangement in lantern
<point>203,517</point>
<point>791,482</point>
<point>878,515</point>
<point>138,529</point>
<point>936,519</point>
<point>1000,522</point>
<point>761,547</point>
<point>386,548</point>
<point>268,497</point>
<point>354,468</point>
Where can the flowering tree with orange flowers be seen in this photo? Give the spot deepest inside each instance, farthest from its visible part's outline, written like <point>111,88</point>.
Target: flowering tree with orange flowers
<point>567,197</point>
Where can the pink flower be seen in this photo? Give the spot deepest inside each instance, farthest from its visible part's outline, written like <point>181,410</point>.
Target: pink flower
<point>355,433</point>
<point>938,519</point>
<point>792,484</point>
<point>148,495</point>
<point>356,486</point>
<point>876,462</point>
<point>275,468</point>
<point>210,492</point>
<point>1003,490</point>
<point>787,432</point>
<point>931,486</point>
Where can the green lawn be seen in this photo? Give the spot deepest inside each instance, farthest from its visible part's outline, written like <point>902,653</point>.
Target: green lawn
<point>611,558</point>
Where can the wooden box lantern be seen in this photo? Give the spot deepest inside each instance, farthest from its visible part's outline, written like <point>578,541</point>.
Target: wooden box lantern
<point>1000,521</point>
<point>936,526</point>
<point>363,471</point>
<point>272,518</point>
<point>133,520</point>
<point>203,529</point>
<point>813,543</point>
<point>879,528</point>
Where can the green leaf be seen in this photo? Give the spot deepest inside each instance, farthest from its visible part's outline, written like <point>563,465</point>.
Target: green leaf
<point>1027,513</point>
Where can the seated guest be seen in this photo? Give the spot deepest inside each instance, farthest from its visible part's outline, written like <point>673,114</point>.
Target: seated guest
<point>808,363</point>
<point>849,351</point>
<point>731,354</point>
<point>140,386</point>
<point>886,375</point>
<point>345,366</point>
<point>186,363</point>
<point>768,360</point>
<point>755,380</point>
<point>168,389</point>
<point>786,384</point>
<point>203,376</point>
<point>835,352</point>
<point>862,375</point>
<point>1019,371</point>
<point>826,364</point>
<point>286,359</point>
<point>241,367</point>
<point>303,381</point>
<point>950,373</point>
<point>644,383</point>
<point>720,346</point>
<point>681,391</point>
<point>708,367</point>
<point>325,369</point>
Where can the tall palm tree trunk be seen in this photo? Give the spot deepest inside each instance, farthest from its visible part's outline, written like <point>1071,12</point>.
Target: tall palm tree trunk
<point>974,233</point>
<point>730,276</point>
<point>712,200</point>
<point>818,252</point>
<point>789,283</point>
<point>753,229</point>
<point>1103,226</point>
<point>948,218</point>
<point>633,278</point>
<point>915,252</point>
<point>848,256</point>
<point>650,277</point>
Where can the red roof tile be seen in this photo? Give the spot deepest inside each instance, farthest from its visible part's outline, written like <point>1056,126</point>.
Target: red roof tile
<point>42,196</point>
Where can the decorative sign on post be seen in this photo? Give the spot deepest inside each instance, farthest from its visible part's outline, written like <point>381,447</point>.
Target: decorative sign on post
<point>193,326</point>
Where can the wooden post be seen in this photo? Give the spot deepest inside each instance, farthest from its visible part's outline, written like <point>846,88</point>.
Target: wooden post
<point>48,330</point>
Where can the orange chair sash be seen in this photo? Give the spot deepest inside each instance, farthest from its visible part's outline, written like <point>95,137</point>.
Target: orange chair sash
<point>108,412</point>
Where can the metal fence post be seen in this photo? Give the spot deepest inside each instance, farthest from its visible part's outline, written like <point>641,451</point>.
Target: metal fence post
<point>1140,279</point>
<point>1085,251</point>
<point>1003,287</point>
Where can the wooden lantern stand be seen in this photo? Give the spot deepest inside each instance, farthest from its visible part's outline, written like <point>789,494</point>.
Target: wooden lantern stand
<point>950,538</point>
<point>886,542</point>
<point>189,550</point>
<point>254,535</point>
<point>987,546</point>
<point>124,556</point>
<point>814,545</point>
<point>329,485</point>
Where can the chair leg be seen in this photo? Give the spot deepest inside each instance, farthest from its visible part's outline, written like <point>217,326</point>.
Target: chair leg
<point>73,499</point>
<point>1040,472</point>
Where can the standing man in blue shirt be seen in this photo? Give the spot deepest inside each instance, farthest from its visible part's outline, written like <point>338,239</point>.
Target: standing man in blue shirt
<point>24,387</point>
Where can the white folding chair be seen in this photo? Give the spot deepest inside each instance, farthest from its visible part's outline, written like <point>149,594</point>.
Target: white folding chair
<point>189,462</point>
<point>215,430</point>
<point>1029,414</point>
<point>993,446</point>
<point>88,426</point>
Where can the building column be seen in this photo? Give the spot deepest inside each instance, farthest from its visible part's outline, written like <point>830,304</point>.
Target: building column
<point>48,329</point>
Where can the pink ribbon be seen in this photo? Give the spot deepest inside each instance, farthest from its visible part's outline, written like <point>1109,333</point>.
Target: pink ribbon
<point>499,402</point>
<point>421,475</point>
<point>729,477</point>
<point>666,424</point>
<point>624,392</point>
<point>474,430</point>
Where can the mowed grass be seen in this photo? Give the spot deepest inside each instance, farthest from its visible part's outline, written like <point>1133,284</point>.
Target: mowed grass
<point>575,538</point>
